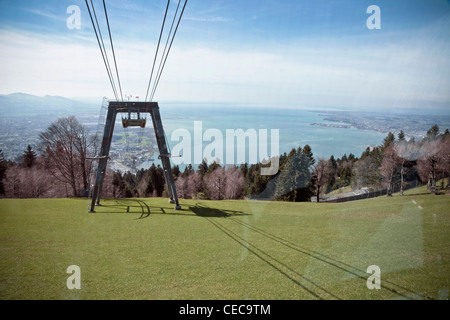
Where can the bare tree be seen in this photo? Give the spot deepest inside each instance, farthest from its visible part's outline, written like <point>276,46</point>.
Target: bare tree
<point>25,182</point>
<point>64,146</point>
<point>443,155</point>
<point>429,161</point>
<point>194,184</point>
<point>318,178</point>
<point>182,187</point>
<point>365,171</point>
<point>13,185</point>
<point>235,183</point>
<point>433,158</point>
<point>406,152</point>
<point>215,183</point>
<point>388,166</point>
<point>3,170</point>
<point>110,188</point>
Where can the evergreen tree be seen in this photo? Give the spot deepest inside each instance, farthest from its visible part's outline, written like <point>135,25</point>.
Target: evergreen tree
<point>29,157</point>
<point>117,183</point>
<point>130,179</point>
<point>151,182</point>
<point>330,173</point>
<point>3,168</point>
<point>365,171</point>
<point>390,139</point>
<point>250,177</point>
<point>244,169</point>
<point>150,186</point>
<point>446,133</point>
<point>294,179</point>
<point>127,192</point>
<point>283,158</point>
<point>433,132</point>
<point>345,176</point>
<point>176,171</point>
<point>213,166</point>
<point>187,171</point>
<point>139,175</point>
<point>156,180</point>
<point>401,136</point>
<point>203,167</point>
<point>366,153</point>
<point>258,185</point>
<point>160,181</point>
<point>309,155</point>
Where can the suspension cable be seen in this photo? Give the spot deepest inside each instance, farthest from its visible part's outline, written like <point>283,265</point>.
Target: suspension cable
<point>157,49</point>
<point>104,50</point>
<point>164,56</point>
<point>167,42</point>
<point>111,80</point>
<point>170,46</point>
<point>112,48</point>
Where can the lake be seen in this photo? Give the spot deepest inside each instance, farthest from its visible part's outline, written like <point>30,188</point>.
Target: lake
<point>294,125</point>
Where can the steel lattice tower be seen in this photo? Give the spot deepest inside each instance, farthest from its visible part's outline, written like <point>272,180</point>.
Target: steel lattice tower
<point>132,107</point>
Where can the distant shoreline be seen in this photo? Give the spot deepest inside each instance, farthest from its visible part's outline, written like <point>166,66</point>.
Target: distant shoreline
<point>411,125</point>
<point>330,125</point>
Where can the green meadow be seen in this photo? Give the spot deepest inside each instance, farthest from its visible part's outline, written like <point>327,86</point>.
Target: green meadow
<point>144,249</point>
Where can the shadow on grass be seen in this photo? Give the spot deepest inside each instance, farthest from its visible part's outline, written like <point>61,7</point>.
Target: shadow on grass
<point>399,290</point>
<point>282,268</point>
<point>207,212</point>
<point>314,289</point>
<point>141,207</point>
<point>131,206</point>
<point>311,287</point>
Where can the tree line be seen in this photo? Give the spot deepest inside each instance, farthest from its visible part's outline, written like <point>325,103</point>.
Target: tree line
<point>58,167</point>
<point>395,165</point>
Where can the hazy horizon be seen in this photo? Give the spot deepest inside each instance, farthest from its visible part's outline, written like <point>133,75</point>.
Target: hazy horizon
<point>290,54</point>
<point>96,102</point>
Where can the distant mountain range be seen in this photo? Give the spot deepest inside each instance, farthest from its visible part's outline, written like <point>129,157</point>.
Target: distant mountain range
<point>22,104</point>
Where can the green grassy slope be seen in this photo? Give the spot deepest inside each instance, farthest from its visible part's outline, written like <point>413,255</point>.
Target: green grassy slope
<point>226,249</point>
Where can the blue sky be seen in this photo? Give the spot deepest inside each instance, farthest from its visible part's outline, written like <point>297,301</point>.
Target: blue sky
<point>290,53</point>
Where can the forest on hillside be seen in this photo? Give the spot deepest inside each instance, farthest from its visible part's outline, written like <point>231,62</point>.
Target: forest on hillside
<point>59,167</point>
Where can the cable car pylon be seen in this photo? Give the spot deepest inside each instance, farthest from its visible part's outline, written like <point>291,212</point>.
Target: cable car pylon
<point>132,107</point>
<point>115,107</point>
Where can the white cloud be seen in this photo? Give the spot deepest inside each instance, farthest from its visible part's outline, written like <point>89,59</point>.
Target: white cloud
<point>46,14</point>
<point>37,65</point>
<point>354,75</point>
<point>335,73</point>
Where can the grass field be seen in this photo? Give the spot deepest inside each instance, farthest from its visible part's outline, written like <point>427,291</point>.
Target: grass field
<point>226,249</point>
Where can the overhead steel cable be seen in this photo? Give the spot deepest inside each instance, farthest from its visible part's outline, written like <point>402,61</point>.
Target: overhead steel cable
<point>157,49</point>
<point>111,79</point>
<point>112,48</point>
<point>104,49</point>
<point>167,42</point>
<point>170,46</point>
<point>164,56</point>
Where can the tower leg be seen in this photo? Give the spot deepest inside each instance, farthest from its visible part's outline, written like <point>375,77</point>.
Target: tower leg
<point>160,138</point>
<point>104,153</point>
